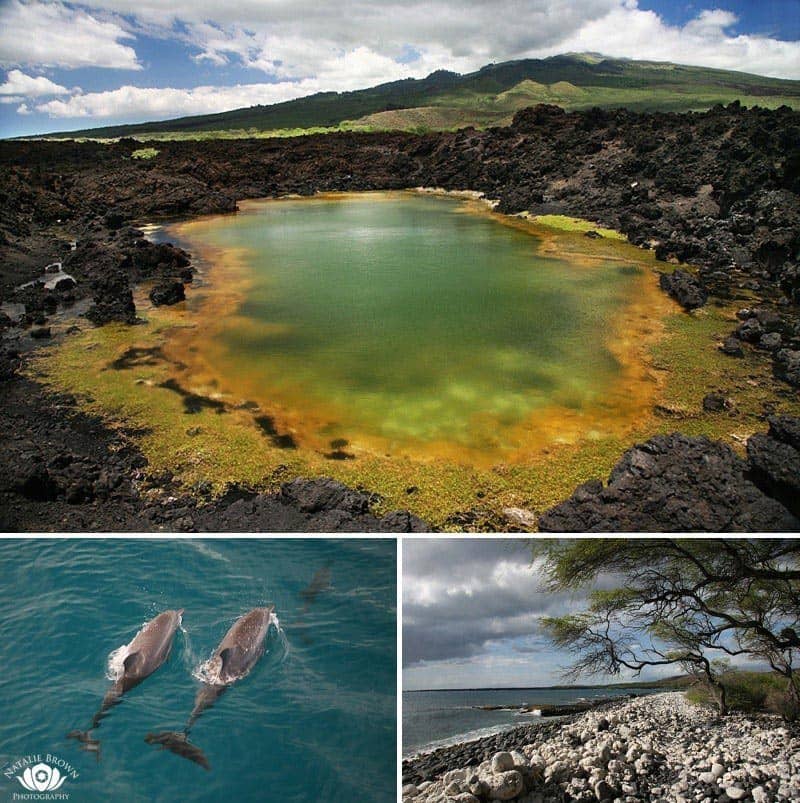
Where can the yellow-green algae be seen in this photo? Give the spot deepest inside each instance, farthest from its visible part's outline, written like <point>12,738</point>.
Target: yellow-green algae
<point>144,153</point>
<point>229,447</point>
<point>574,224</point>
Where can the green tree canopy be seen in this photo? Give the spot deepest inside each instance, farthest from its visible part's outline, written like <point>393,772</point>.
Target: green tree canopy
<point>687,602</point>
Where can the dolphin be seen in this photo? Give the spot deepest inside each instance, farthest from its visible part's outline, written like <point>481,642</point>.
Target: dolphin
<point>321,581</point>
<point>149,649</point>
<point>236,655</point>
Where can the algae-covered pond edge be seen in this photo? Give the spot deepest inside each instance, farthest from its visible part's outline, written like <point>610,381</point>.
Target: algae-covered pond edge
<point>221,448</point>
<point>235,269</point>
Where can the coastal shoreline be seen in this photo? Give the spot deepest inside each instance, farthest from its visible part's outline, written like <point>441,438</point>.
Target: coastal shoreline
<point>655,747</point>
<point>421,762</point>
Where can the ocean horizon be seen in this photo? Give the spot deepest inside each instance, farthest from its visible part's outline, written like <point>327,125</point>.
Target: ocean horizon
<point>434,718</point>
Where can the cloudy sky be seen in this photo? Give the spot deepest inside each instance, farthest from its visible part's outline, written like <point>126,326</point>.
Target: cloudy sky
<point>471,610</point>
<point>97,62</point>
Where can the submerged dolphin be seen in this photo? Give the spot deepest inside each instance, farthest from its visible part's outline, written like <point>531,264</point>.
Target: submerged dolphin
<point>236,655</point>
<point>149,649</point>
<point>321,581</point>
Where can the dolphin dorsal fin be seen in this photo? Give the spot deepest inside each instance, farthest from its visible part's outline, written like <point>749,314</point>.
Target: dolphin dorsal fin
<point>133,662</point>
<point>227,656</point>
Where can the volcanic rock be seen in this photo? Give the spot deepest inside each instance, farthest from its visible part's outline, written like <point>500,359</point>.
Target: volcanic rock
<point>774,459</point>
<point>732,346</point>
<point>113,299</point>
<point>686,289</point>
<point>672,483</point>
<point>167,293</point>
<point>787,366</point>
<point>716,403</point>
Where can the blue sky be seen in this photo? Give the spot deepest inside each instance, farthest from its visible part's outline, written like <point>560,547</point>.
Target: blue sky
<point>65,65</point>
<point>772,18</point>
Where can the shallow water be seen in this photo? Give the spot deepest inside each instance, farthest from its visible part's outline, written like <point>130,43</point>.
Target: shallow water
<point>315,719</point>
<point>434,719</point>
<point>407,319</point>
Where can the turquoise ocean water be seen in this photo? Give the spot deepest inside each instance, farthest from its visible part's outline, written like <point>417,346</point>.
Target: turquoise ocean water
<point>314,721</point>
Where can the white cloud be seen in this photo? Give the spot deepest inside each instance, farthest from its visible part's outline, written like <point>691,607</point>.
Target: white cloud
<point>130,102</point>
<point>304,46</point>
<point>21,85</point>
<point>55,35</point>
<point>454,34</point>
<point>628,32</point>
<point>343,71</point>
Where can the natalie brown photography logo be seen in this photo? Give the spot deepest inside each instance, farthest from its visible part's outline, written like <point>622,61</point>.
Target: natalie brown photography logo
<point>41,777</point>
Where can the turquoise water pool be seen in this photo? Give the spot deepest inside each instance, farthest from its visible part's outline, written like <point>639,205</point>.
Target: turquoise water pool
<point>406,320</point>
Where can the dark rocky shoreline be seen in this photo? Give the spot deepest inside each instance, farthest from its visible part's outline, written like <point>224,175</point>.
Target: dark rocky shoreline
<point>719,190</point>
<point>64,470</point>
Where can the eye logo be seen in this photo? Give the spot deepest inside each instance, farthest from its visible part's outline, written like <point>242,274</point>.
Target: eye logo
<point>41,778</point>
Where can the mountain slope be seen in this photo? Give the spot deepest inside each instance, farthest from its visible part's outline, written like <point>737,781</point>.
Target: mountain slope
<point>486,97</point>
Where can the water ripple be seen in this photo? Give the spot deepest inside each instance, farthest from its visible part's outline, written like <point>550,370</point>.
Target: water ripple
<point>314,720</point>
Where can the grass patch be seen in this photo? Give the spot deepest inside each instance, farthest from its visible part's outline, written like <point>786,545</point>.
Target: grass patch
<point>693,365</point>
<point>144,153</point>
<point>574,224</point>
<point>751,692</point>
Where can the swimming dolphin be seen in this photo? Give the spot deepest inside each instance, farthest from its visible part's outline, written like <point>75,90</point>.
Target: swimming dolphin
<point>149,649</point>
<point>321,581</point>
<point>236,655</point>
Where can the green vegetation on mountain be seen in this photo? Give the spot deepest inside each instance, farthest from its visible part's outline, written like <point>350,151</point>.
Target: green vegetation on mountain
<point>447,101</point>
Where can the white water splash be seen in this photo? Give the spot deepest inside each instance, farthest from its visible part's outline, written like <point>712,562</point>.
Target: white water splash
<point>275,652</point>
<point>115,666</point>
<point>209,672</point>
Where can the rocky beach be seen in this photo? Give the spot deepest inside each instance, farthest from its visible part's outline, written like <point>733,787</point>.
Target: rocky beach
<point>717,190</point>
<point>657,747</point>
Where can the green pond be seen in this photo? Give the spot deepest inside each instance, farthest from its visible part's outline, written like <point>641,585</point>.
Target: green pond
<point>393,321</point>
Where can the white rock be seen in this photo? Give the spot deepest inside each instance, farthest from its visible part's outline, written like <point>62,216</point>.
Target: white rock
<point>521,517</point>
<point>454,775</point>
<point>605,753</point>
<point>556,771</point>
<point>502,762</point>
<point>505,785</point>
<point>735,792</point>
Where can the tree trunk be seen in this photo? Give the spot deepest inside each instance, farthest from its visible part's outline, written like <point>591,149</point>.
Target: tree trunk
<point>722,701</point>
<point>792,709</point>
